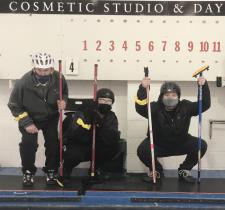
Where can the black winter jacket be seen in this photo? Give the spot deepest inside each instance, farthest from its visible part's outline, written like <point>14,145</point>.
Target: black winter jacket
<point>30,102</point>
<point>169,131</point>
<point>77,128</point>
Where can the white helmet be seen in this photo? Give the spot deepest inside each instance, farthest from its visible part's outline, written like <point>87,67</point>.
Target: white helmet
<point>42,60</point>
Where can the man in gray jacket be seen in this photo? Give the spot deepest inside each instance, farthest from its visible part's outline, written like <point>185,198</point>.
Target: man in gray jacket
<point>34,102</point>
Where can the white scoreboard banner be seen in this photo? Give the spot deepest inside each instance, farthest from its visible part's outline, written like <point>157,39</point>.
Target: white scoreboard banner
<point>172,38</point>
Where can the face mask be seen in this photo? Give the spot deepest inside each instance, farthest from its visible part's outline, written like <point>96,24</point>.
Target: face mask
<point>170,102</point>
<point>43,79</point>
<point>104,108</point>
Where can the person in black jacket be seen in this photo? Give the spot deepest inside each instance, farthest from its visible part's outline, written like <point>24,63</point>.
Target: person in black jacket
<point>170,124</point>
<point>78,134</point>
<point>34,102</point>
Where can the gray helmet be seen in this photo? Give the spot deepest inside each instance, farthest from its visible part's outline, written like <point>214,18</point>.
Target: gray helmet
<point>105,93</point>
<point>170,87</point>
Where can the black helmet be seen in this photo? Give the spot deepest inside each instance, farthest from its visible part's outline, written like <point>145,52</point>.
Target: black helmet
<point>105,93</point>
<point>170,87</point>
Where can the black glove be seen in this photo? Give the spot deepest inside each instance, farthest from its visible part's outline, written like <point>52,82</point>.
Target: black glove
<point>97,118</point>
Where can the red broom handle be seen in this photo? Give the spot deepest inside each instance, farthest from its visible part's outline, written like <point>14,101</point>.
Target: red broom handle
<point>94,126</point>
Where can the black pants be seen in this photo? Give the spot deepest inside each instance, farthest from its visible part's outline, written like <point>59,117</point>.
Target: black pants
<point>29,145</point>
<point>188,147</point>
<point>77,152</point>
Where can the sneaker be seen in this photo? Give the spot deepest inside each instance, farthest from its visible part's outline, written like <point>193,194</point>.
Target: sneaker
<point>98,177</point>
<point>102,174</point>
<point>149,177</point>
<point>28,178</point>
<point>185,175</point>
<point>51,177</point>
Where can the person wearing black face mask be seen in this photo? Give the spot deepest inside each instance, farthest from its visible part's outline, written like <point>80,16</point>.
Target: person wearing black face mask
<point>35,104</point>
<point>104,108</point>
<point>170,123</point>
<point>42,80</point>
<point>78,134</point>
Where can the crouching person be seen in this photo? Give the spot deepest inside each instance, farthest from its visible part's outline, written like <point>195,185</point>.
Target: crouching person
<point>78,135</point>
<point>171,119</point>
